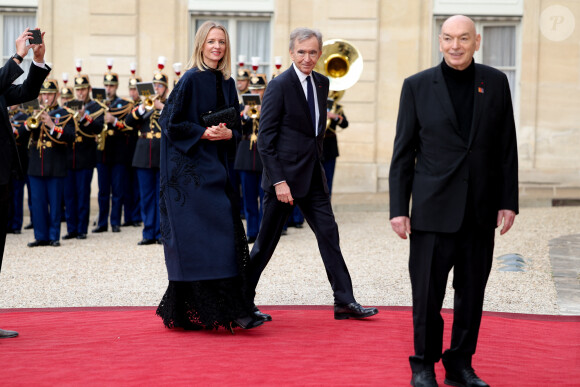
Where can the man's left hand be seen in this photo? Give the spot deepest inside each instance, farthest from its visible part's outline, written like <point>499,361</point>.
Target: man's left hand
<point>508,217</point>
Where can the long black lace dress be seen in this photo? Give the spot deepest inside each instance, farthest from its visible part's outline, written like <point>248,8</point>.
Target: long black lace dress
<point>205,246</point>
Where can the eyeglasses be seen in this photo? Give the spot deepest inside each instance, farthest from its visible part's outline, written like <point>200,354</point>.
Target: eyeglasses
<point>311,54</point>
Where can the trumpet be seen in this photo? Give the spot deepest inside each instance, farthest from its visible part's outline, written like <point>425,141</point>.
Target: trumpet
<point>254,113</point>
<point>149,103</point>
<point>34,122</point>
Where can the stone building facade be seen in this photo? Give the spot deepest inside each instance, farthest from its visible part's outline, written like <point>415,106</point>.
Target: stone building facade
<point>536,41</point>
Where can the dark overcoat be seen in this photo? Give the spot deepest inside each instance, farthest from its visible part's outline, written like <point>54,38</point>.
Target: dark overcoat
<point>13,95</point>
<point>197,223</point>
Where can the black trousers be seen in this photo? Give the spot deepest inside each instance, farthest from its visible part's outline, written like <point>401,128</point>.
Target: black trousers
<point>318,213</point>
<point>432,255</point>
<point>5,202</point>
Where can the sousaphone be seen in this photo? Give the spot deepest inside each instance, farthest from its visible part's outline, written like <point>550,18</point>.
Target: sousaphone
<point>341,62</point>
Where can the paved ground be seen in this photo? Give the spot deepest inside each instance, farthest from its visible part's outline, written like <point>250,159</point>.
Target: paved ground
<point>109,269</point>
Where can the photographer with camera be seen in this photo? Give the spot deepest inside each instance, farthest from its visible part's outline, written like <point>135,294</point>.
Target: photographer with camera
<point>12,95</point>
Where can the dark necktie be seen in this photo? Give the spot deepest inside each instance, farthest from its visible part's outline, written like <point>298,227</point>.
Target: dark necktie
<point>310,99</point>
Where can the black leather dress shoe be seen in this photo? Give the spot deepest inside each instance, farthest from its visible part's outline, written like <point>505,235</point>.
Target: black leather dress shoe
<point>4,334</point>
<point>55,243</point>
<point>424,378</point>
<point>146,242</point>
<point>100,229</point>
<point>38,243</point>
<point>116,228</point>
<point>70,235</point>
<point>261,316</point>
<point>247,322</point>
<point>299,225</point>
<point>353,310</point>
<point>82,236</point>
<point>251,239</point>
<point>12,231</point>
<point>29,226</point>
<point>465,377</point>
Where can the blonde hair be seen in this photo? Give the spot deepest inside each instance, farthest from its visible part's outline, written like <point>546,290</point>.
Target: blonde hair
<point>196,60</point>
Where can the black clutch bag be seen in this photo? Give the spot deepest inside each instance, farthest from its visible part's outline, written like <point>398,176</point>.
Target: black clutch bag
<point>226,116</point>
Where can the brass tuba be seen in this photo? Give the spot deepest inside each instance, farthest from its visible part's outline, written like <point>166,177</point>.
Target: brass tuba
<point>341,62</point>
<point>33,122</point>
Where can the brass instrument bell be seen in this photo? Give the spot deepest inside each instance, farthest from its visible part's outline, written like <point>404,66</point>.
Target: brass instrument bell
<point>341,62</point>
<point>34,121</point>
<point>149,103</point>
<point>254,113</point>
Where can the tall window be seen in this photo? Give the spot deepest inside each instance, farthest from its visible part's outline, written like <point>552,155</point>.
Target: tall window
<point>499,47</point>
<point>12,24</point>
<point>249,36</point>
<point>499,50</point>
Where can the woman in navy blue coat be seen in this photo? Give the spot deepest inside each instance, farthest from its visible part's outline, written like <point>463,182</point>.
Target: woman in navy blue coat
<point>206,252</point>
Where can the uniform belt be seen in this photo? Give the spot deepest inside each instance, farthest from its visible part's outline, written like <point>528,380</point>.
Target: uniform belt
<point>150,135</point>
<point>43,143</point>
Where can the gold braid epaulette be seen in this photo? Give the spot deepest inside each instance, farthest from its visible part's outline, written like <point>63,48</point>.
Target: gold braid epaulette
<point>64,120</point>
<point>254,136</point>
<point>77,126</point>
<point>44,132</point>
<point>122,113</point>
<point>153,123</point>
<point>99,112</point>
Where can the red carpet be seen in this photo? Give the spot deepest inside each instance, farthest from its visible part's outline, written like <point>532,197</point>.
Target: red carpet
<point>302,346</point>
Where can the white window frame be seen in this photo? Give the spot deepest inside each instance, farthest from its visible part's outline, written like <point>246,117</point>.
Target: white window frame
<point>16,11</point>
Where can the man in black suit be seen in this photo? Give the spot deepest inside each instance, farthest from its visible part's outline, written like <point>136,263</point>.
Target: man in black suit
<point>292,123</point>
<point>12,95</point>
<point>455,153</point>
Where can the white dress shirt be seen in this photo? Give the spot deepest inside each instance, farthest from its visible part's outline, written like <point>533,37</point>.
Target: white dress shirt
<point>302,78</point>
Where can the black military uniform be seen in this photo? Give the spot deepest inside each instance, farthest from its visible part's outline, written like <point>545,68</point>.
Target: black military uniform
<point>146,159</point>
<point>249,165</point>
<point>114,142</point>
<point>131,197</point>
<point>47,168</point>
<point>330,146</point>
<point>81,163</point>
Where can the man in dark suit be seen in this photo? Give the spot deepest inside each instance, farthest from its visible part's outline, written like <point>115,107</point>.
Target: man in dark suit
<point>292,123</point>
<point>455,154</point>
<point>12,95</point>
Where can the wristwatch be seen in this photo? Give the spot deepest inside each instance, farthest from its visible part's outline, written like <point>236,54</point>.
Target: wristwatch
<point>18,58</point>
